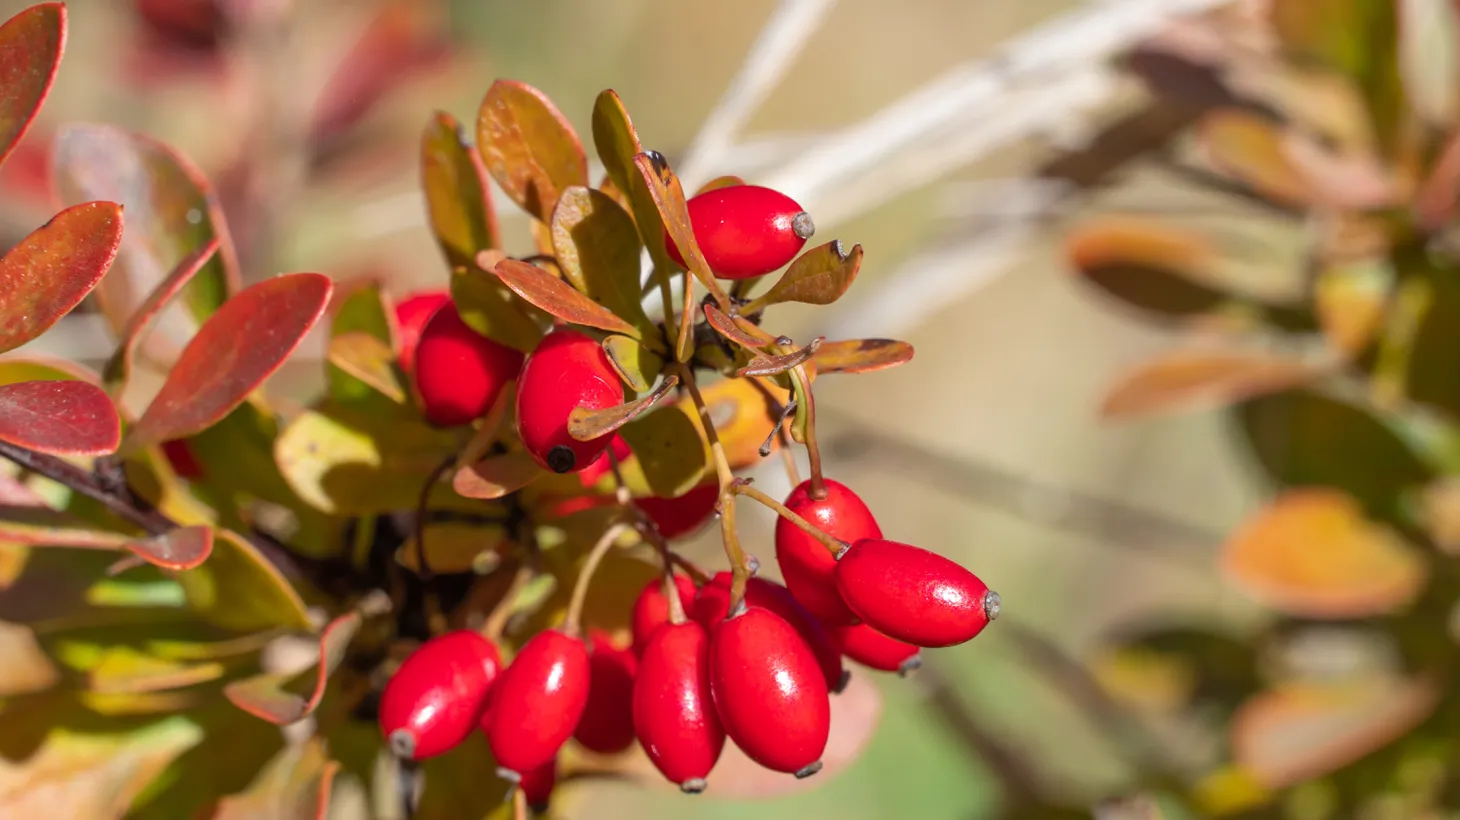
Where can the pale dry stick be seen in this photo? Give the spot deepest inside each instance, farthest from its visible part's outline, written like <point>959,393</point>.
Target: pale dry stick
<point>776,47</point>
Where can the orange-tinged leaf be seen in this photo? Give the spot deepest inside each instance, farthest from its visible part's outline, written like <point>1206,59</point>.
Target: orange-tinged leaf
<point>1301,731</point>
<point>458,201</point>
<point>732,330</point>
<point>31,45</point>
<point>24,665</point>
<point>597,246</point>
<point>53,269</point>
<point>668,196</point>
<point>497,476</point>
<point>1145,264</point>
<point>1251,149</point>
<point>1186,380</point>
<point>717,183</point>
<point>234,352</point>
<point>238,588</point>
<point>179,549</point>
<point>861,355</point>
<point>817,277</point>
<point>125,670</point>
<point>66,418</point>
<point>617,144</point>
<point>370,360</point>
<point>528,147</point>
<point>741,415</point>
<point>295,785</point>
<point>586,425</point>
<point>119,368</point>
<point>558,298</point>
<point>1350,299</point>
<point>42,526</point>
<point>764,365</point>
<point>1312,553</point>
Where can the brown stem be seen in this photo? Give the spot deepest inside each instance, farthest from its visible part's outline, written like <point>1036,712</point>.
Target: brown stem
<point>572,624</point>
<point>684,344</point>
<point>87,484</point>
<point>813,450</point>
<point>788,457</point>
<point>740,571</point>
<point>671,589</point>
<point>423,568</point>
<point>519,803</point>
<point>834,544</point>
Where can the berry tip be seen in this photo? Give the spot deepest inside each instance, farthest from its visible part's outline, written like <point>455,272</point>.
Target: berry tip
<point>992,604</point>
<point>809,770</point>
<point>508,775</point>
<point>802,225</point>
<point>560,459</point>
<point>910,665</point>
<point>694,785</point>
<point>841,685</point>
<point>402,744</point>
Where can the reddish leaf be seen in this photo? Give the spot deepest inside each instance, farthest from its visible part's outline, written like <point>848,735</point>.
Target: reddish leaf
<point>233,353</point>
<point>772,365</point>
<point>818,277</point>
<point>53,269</point>
<point>1147,264</point>
<point>171,212</point>
<point>861,355</point>
<point>179,549</point>
<point>617,144</point>
<point>64,418</point>
<point>458,201</point>
<point>559,298</point>
<point>668,195</point>
<point>730,329</point>
<point>31,44</point>
<point>1182,380</point>
<point>586,425</point>
<point>529,147</point>
<point>497,476</point>
<point>119,368</point>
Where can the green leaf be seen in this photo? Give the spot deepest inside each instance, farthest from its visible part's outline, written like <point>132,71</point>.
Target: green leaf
<point>370,362</point>
<point>234,747</point>
<point>345,462</point>
<point>458,201</point>
<point>1146,265</point>
<point>587,425</point>
<point>617,144</point>
<point>637,365</point>
<point>121,669</point>
<point>458,784</point>
<point>597,247</point>
<point>1292,435</point>
<point>238,588</point>
<point>861,355</point>
<point>295,785</point>
<point>42,526</point>
<point>669,456</point>
<point>490,308</point>
<point>53,269</point>
<point>364,367</point>
<point>528,147</point>
<point>233,353</point>
<point>558,298</point>
<point>18,369</point>
<point>31,44</point>
<point>1433,355</point>
<point>818,277</point>
<point>119,368</point>
<point>455,546</point>
<point>67,418</point>
<point>171,210</point>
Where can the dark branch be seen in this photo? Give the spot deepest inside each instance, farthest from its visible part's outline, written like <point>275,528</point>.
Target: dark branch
<point>89,485</point>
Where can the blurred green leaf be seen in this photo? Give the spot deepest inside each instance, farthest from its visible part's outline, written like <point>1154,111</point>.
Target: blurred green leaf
<point>597,247</point>
<point>454,546</point>
<point>237,588</point>
<point>458,201</point>
<point>668,454</point>
<point>490,308</point>
<point>362,312</point>
<point>295,785</point>
<point>31,43</point>
<point>233,748</point>
<point>528,147</point>
<point>121,669</point>
<point>460,783</point>
<point>54,268</point>
<point>370,362</point>
<point>1176,665</point>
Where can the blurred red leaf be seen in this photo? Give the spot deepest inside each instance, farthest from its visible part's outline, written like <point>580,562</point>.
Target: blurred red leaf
<point>861,355</point>
<point>65,418</point>
<point>120,366</point>
<point>529,147</point>
<point>31,44</point>
<point>557,297</point>
<point>53,269</point>
<point>179,549</point>
<point>26,175</point>
<point>496,476</point>
<point>232,354</point>
<point>193,24</point>
<point>1187,379</point>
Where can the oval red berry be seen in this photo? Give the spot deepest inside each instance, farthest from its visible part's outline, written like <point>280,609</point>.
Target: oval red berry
<point>567,370</point>
<point>674,710</point>
<point>436,697</point>
<point>411,315</point>
<point>651,608</point>
<point>745,230</point>
<point>458,372</point>
<point>712,603</point>
<point>607,725</point>
<point>678,517</point>
<point>869,647</point>
<point>769,692</point>
<point>914,595</point>
<point>538,701</point>
<point>808,567</point>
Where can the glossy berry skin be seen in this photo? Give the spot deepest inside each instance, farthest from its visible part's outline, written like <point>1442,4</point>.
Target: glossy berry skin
<point>537,702</point>
<point>567,370</point>
<point>678,517</point>
<point>869,647</point>
<point>674,709</point>
<point>651,608</point>
<point>458,372</point>
<point>537,785</point>
<point>180,455</point>
<point>913,595</point>
<point>411,315</point>
<point>769,692</point>
<point>607,725</point>
<point>807,565</point>
<point>713,603</point>
<point>745,231</point>
<point>438,694</point>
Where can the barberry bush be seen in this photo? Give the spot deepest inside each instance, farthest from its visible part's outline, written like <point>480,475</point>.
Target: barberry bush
<point>483,456</point>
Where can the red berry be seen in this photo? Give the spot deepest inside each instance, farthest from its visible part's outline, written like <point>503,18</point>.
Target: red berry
<point>869,647</point>
<point>537,785</point>
<point>437,696</point>
<point>180,456</point>
<point>769,692</point>
<point>676,517</point>
<point>807,565</point>
<point>568,370</point>
<point>601,466</point>
<point>607,725</point>
<point>914,595</point>
<point>713,603</point>
<point>411,316</point>
<point>458,372</point>
<point>745,230</point>
<point>538,702</point>
<point>651,608</point>
<point>674,709</point>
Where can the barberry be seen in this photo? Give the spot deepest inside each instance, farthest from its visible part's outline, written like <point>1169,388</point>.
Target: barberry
<point>607,725</point>
<point>651,608</point>
<point>712,604</point>
<point>458,372</point>
<point>914,595</point>
<point>678,517</point>
<point>411,315</point>
<point>807,566</point>
<point>745,231</point>
<point>567,370</point>
<point>537,702</point>
<point>438,694</point>
<point>537,785</point>
<point>674,710</point>
<point>869,647</point>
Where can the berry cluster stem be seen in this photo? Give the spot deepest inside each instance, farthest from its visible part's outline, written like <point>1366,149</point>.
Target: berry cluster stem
<point>813,450</point>
<point>572,624</point>
<point>833,544</point>
<point>519,803</point>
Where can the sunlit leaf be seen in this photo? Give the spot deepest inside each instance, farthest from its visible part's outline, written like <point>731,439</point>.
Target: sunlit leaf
<point>742,416</point>
<point>861,355</point>
<point>53,269</point>
<point>171,212</point>
<point>669,456</point>
<point>490,308</point>
<point>774,365</point>
<point>363,310</point>
<point>31,44</point>
<point>617,144</point>
<point>295,785</point>
<point>558,298</point>
<point>461,784</point>
<point>817,277</point>
<point>42,526</point>
<point>1349,299</point>
<point>637,365</point>
<point>1249,148</point>
<point>668,196</point>
<point>238,588</point>
<point>124,670</point>
<point>454,546</point>
<point>597,247</point>
<point>34,369</point>
<point>1186,380</point>
<point>1312,553</point>
<point>369,360</point>
<point>235,746</point>
<point>24,667</point>
<point>732,330</point>
<point>496,476</point>
<point>1146,264</point>
<point>119,368</point>
<point>528,147</point>
<point>458,201</point>
<point>71,418</point>
<point>233,353</point>
<point>587,425</point>
<point>1301,731</point>
<point>719,182</point>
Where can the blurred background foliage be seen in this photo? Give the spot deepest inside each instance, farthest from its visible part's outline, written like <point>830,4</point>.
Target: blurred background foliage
<point>1245,608</point>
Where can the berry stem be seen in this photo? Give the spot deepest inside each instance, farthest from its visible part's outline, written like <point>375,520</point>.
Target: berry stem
<point>572,624</point>
<point>423,502</point>
<point>833,544</point>
<point>671,589</point>
<point>695,571</point>
<point>684,345</point>
<point>813,450</point>
<point>519,803</point>
<point>496,622</point>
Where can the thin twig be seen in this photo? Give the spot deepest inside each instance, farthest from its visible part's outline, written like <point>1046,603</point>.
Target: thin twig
<point>87,484</point>
<point>572,622</point>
